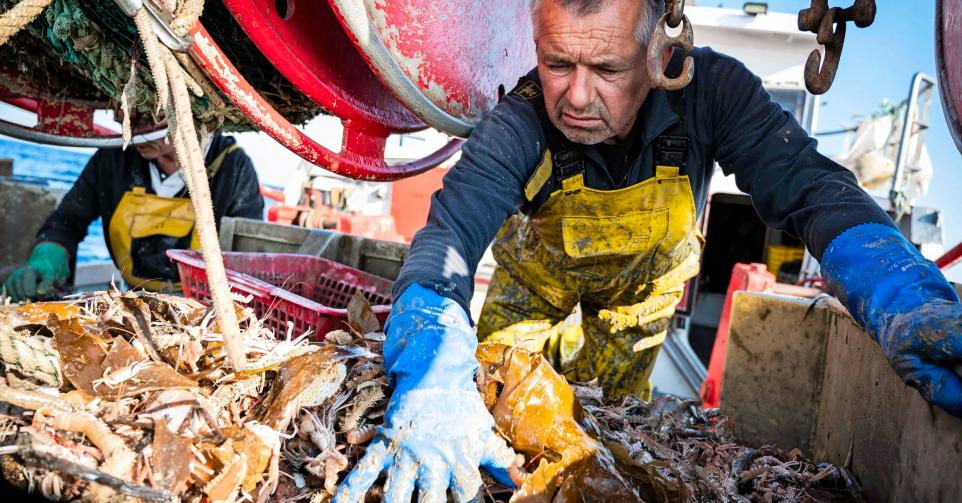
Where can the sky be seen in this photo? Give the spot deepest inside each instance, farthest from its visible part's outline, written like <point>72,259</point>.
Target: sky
<point>879,62</point>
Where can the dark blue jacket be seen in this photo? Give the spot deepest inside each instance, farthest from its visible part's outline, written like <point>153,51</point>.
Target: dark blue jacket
<point>731,119</point>
<point>111,172</point>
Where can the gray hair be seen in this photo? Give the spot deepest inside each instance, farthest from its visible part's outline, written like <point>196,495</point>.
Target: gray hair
<point>646,20</point>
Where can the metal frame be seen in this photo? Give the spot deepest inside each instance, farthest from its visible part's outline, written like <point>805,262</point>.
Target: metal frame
<point>909,122</point>
<point>362,154</point>
<point>32,135</point>
<point>948,61</point>
<point>101,137</point>
<point>161,19</point>
<point>450,82</point>
<point>308,46</point>
<point>947,37</point>
<point>353,15</point>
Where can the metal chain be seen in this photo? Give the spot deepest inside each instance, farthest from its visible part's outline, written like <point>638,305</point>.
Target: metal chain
<point>829,26</point>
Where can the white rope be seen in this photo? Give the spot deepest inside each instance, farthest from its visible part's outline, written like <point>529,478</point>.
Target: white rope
<point>180,122</point>
<point>19,16</point>
<point>30,356</point>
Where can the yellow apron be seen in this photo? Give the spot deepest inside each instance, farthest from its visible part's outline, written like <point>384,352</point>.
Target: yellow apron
<point>624,255</point>
<point>140,216</point>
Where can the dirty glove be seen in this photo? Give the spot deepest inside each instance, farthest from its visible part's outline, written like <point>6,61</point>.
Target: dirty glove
<point>49,265</point>
<point>437,431</point>
<point>905,303</point>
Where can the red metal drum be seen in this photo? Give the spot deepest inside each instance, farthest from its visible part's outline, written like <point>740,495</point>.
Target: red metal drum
<point>305,42</point>
<point>362,152</point>
<point>948,42</point>
<point>447,61</point>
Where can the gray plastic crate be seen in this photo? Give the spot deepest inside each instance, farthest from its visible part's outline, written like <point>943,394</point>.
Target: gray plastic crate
<point>383,258</point>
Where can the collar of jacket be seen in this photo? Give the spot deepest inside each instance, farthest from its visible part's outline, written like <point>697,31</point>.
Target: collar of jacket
<point>656,115</point>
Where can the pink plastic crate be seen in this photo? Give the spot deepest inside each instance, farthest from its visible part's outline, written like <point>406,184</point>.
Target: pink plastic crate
<point>311,292</point>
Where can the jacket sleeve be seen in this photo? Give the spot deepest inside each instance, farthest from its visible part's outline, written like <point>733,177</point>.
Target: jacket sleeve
<point>793,187</point>
<point>67,225</point>
<point>246,200</point>
<point>478,194</point>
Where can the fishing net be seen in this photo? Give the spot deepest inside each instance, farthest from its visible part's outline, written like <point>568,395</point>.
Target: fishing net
<point>43,74</point>
<point>81,51</point>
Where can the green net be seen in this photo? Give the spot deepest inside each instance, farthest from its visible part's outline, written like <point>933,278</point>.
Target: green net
<point>30,68</point>
<point>81,51</point>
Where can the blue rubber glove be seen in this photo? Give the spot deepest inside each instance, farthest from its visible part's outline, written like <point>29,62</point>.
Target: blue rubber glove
<point>437,431</point>
<point>49,265</point>
<point>905,303</point>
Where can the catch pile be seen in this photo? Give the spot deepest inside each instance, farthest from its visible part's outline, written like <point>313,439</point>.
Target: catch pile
<point>118,396</point>
<point>121,395</point>
<point>692,447</point>
<point>581,447</point>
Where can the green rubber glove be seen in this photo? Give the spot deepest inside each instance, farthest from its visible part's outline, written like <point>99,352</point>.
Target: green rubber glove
<point>49,265</point>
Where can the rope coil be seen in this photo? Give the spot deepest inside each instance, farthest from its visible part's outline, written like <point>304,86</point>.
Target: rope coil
<point>30,356</point>
<point>19,16</point>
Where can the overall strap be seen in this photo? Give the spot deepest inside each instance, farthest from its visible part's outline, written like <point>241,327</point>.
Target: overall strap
<point>215,165</point>
<point>563,157</point>
<point>670,148</point>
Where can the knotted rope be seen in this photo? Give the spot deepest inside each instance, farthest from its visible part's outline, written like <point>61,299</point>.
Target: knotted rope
<point>19,16</point>
<point>172,91</point>
<point>30,356</point>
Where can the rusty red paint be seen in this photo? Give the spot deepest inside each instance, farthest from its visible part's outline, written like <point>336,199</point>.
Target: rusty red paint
<point>362,152</point>
<point>948,41</point>
<point>65,119</point>
<point>307,45</point>
<point>61,118</point>
<point>457,53</point>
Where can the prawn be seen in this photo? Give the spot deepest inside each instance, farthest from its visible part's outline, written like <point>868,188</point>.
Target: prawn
<point>26,399</point>
<point>112,378</point>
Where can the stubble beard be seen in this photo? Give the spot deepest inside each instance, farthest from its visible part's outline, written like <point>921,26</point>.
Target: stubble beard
<point>580,135</point>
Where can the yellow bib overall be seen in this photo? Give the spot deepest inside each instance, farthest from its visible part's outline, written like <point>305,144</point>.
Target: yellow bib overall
<point>141,216</point>
<point>623,254</point>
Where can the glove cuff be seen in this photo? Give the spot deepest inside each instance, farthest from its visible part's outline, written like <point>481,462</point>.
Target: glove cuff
<point>430,343</point>
<point>877,274</point>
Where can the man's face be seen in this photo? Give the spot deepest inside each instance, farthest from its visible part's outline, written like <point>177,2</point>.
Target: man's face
<point>593,70</point>
<point>152,150</point>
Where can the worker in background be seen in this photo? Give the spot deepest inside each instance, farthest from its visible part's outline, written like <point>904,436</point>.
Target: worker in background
<point>146,211</point>
<point>590,181</point>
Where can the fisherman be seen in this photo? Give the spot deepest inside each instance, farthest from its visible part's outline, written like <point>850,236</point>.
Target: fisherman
<point>142,197</point>
<point>596,179</point>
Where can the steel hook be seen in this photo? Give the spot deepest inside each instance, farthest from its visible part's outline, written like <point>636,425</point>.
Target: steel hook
<point>862,13</point>
<point>660,41</point>
<point>821,20</point>
<point>820,74</point>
